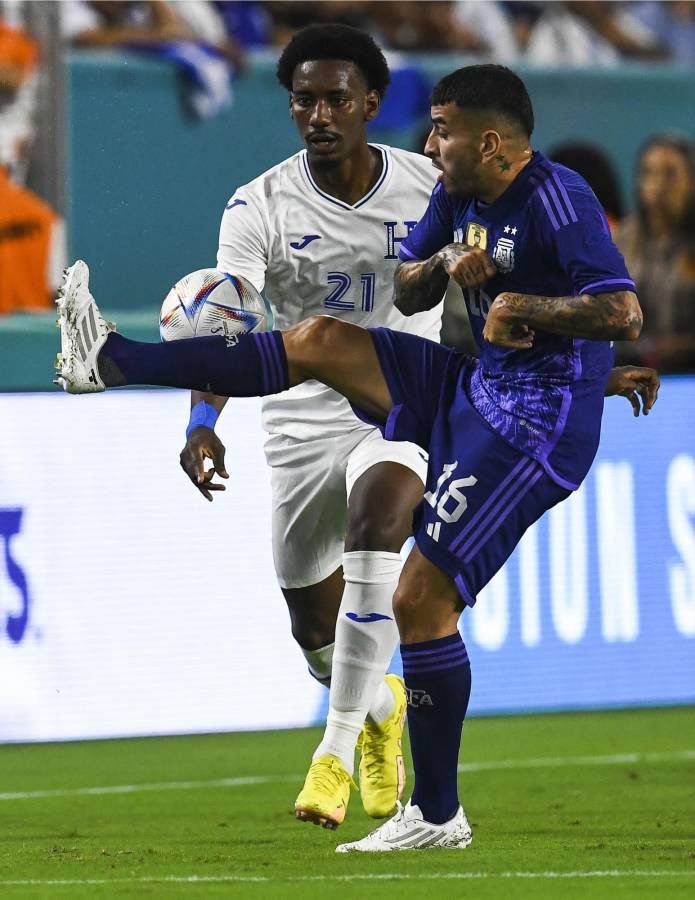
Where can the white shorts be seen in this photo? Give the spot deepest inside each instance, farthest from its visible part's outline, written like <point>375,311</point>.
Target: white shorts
<point>311,481</point>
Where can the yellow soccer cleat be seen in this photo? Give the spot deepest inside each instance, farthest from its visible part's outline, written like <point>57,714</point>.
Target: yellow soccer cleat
<point>382,772</point>
<point>324,798</point>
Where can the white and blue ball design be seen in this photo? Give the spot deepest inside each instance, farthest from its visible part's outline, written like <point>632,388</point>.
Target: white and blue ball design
<point>208,303</point>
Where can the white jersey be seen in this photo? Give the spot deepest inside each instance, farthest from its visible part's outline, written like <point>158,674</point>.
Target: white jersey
<point>313,254</point>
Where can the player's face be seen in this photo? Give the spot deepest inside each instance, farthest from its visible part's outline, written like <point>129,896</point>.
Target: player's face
<point>331,104</point>
<point>665,183</point>
<point>456,147</point>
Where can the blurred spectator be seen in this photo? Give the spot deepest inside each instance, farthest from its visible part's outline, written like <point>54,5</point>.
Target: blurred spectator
<point>190,33</point>
<point>573,32</point>
<point>590,32</point>
<point>594,166</point>
<point>672,23</point>
<point>109,23</point>
<point>288,16</point>
<point>407,100</point>
<point>471,26</point>
<point>248,22</point>
<point>32,249</point>
<point>522,16</point>
<point>19,55</point>
<point>493,26</point>
<point>32,240</point>
<point>433,26</point>
<point>659,246</point>
<point>209,28</point>
<point>18,58</point>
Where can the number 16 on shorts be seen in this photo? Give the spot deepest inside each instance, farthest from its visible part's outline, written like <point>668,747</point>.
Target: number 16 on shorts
<point>447,499</point>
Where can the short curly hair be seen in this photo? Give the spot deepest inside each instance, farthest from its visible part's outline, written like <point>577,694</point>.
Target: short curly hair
<point>339,42</point>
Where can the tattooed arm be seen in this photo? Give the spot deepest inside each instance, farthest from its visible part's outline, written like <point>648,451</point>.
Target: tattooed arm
<point>602,317</point>
<point>421,285</point>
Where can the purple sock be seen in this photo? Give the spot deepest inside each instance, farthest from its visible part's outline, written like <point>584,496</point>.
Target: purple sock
<point>438,685</point>
<point>253,366</point>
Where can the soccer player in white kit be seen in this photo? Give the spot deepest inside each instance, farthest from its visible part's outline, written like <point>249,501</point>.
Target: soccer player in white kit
<point>319,234</point>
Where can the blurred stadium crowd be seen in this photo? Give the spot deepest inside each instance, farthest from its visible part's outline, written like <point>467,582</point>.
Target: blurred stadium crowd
<point>218,41</point>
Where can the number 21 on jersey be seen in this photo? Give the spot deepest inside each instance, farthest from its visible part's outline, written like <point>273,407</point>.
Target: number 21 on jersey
<point>341,284</point>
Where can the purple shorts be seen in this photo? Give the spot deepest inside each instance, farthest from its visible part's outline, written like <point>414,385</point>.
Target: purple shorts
<point>481,493</point>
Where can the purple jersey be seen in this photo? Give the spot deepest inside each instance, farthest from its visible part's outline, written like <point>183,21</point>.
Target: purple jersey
<point>548,236</point>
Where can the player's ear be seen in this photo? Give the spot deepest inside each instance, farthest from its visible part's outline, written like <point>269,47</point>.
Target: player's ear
<point>372,102</point>
<point>290,106</point>
<point>490,144</point>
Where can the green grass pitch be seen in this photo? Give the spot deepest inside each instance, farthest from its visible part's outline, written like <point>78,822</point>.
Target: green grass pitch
<point>586,805</point>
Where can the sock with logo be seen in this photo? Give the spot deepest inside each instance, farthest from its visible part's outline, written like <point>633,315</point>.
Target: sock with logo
<point>320,663</point>
<point>365,639</point>
<point>253,366</point>
<point>438,681</point>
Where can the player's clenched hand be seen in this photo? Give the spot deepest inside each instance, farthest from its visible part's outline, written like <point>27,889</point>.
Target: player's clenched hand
<point>635,383</point>
<point>204,444</point>
<point>471,267</point>
<point>502,327</point>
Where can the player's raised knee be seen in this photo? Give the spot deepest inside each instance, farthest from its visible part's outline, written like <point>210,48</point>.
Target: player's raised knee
<point>322,331</point>
<point>315,340</point>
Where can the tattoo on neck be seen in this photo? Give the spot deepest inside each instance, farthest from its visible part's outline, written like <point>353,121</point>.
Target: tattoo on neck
<point>504,163</point>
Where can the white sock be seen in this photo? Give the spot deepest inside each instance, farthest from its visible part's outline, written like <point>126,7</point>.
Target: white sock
<point>363,650</point>
<point>320,663</point>
<point>383,703</point>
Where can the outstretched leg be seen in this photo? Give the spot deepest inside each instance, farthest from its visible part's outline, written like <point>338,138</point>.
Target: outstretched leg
<point>94,356</point>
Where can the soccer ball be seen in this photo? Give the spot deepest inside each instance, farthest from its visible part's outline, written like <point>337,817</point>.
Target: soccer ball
<point>208,302</point>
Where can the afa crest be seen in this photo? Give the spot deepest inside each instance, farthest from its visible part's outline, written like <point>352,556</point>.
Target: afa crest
<point>503,254</point>
<point>476,235</point>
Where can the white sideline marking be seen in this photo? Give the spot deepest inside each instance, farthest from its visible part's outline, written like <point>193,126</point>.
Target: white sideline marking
<point>391,876</point>
<point>495,765</point>
<point>155,786</point>
<point>614,759</point>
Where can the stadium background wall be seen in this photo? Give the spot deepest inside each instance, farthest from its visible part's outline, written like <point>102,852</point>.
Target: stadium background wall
<point>130,606</point>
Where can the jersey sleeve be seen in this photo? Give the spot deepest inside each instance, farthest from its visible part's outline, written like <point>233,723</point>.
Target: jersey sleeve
<point>434,230</point>
<point>585,250</point>
<point>243,246</point>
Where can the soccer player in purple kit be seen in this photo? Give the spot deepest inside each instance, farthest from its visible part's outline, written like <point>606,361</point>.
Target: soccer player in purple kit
<point>509,435</point>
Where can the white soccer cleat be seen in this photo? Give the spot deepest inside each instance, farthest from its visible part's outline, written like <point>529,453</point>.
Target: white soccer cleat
<point>83,331</point>
<point>407,830</point>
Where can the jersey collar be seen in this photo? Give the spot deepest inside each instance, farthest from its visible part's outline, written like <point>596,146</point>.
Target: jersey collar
<point>380,182</point>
